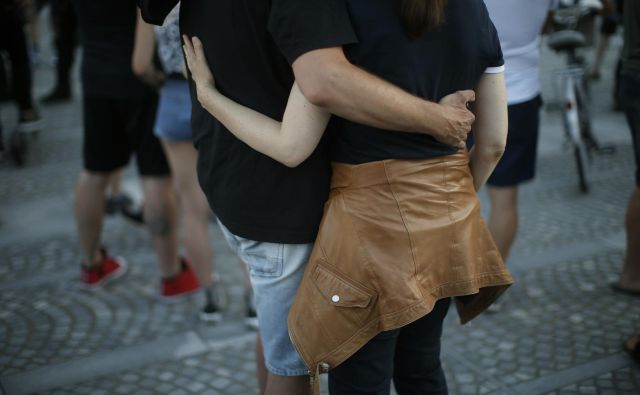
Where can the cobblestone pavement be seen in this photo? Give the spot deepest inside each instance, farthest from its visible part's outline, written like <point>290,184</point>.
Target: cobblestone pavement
<point>559,331</point>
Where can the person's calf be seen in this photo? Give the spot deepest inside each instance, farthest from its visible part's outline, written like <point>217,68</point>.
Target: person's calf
<point>630,276</point>
<point>290,385</point>
<point>89,213</point>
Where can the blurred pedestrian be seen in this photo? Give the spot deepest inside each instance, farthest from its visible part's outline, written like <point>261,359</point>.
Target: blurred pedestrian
<point>632,347</point>
<point>611,19</point>
<point>520,24</point>
<point>119,114</point>
<point>65,28</point>
<point>629,281</point>
<point>14,43</point>
<point>173,128</point>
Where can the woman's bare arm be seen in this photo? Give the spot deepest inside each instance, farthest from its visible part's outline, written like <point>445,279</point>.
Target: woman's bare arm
<point>142,58</point>
<point>289,142</point>
<point>490,128</point>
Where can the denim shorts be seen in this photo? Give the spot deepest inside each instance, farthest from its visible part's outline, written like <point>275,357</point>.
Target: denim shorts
<point>173,122</point>
<point>276,272</point>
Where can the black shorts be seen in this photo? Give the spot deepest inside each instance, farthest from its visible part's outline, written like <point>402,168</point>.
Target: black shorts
<point>115,128</point>
<point>518,164</point>
<point>609,25</point>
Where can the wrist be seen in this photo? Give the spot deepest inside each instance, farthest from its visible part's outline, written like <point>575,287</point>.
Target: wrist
<point>435,122</point>
<point>201,88</point>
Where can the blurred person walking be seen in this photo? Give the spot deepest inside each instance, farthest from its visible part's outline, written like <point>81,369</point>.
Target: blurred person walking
<point>173,128</point>
<point>629,281</point>
<point>519,24</point>
<point>611,18</point>
<point>119,113</point>
<point>65,28</point>
<point>13,42</point>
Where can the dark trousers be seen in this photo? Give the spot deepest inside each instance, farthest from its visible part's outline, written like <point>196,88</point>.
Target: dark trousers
<point>630,98</point>
<point>409,355</point>
<point>14,43</point>
<point>65,30</point>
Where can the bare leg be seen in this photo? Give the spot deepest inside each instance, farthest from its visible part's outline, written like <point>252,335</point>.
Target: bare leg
<point>182,158</point>
<point>630,276</point>
<point>89,212</point>
<point>270,384</point>
<point>503,219</point>
<point>261,370</point>
<point>295,385</point>
<point>603,45</point>
<point>115,181</point>
<point>160,214</point>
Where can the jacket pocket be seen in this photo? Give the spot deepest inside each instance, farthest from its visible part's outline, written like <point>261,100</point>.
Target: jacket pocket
<point>339,292</point>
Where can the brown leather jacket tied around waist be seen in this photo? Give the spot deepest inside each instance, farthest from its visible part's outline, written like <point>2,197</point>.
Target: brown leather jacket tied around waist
<point>396,236</point>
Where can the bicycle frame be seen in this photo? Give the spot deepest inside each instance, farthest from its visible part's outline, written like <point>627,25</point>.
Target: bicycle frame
<point>571,109</point>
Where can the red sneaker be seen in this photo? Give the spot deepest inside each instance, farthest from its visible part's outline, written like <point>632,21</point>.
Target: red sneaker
<point>110,269</point>
<point>184,283</point>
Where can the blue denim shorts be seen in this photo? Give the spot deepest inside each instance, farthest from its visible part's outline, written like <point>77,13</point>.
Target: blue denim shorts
<point>173,121</point>
<point>276,272</point>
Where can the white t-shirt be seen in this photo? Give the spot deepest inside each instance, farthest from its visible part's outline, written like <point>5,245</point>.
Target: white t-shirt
<point>170,43</point>
<point>519,23</point>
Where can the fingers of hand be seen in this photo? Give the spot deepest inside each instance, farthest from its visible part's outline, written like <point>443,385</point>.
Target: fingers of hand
<point>468,95</point>
<point>187,47</point>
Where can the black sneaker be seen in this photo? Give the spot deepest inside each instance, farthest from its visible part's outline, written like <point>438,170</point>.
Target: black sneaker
<point>112,204</point>
<point>59,94</point>
<point>214,303</point>
<point>29,122</point>
<point>130,210</point>
<point>251,317</point>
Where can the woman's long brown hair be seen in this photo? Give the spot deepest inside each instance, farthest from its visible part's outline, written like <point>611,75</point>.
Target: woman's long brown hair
<point>421,16</point>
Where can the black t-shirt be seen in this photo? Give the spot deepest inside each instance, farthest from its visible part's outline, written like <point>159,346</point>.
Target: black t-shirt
<point>107,34</point>
<point>244,41</point>
<point>631,49</point>
<point>439,63</point>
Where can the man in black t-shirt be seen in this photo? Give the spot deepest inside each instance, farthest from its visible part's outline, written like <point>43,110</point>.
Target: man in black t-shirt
<point>270,213</point>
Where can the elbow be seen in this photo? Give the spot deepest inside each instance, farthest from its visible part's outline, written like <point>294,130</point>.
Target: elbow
<point>320,88</point>
<point>138,69</point>
<point>293,156</point>
<point>291,163</point>
<point>493,151</point>
<point>317,92</point>
<point>293,160</point>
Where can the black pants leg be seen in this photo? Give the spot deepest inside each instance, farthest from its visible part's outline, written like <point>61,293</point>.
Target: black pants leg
<point>65,30</point>
<point>409,355</point>
<point>14,42</point>
<point>417,369</point>
<point>630,96</point>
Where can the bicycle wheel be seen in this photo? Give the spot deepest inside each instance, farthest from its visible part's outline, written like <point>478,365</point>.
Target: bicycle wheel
<point>586,130</point>
<point>580,152</point>
<point>574,129</point>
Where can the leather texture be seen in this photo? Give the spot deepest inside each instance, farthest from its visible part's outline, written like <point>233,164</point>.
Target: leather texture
<point>396,236</point>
